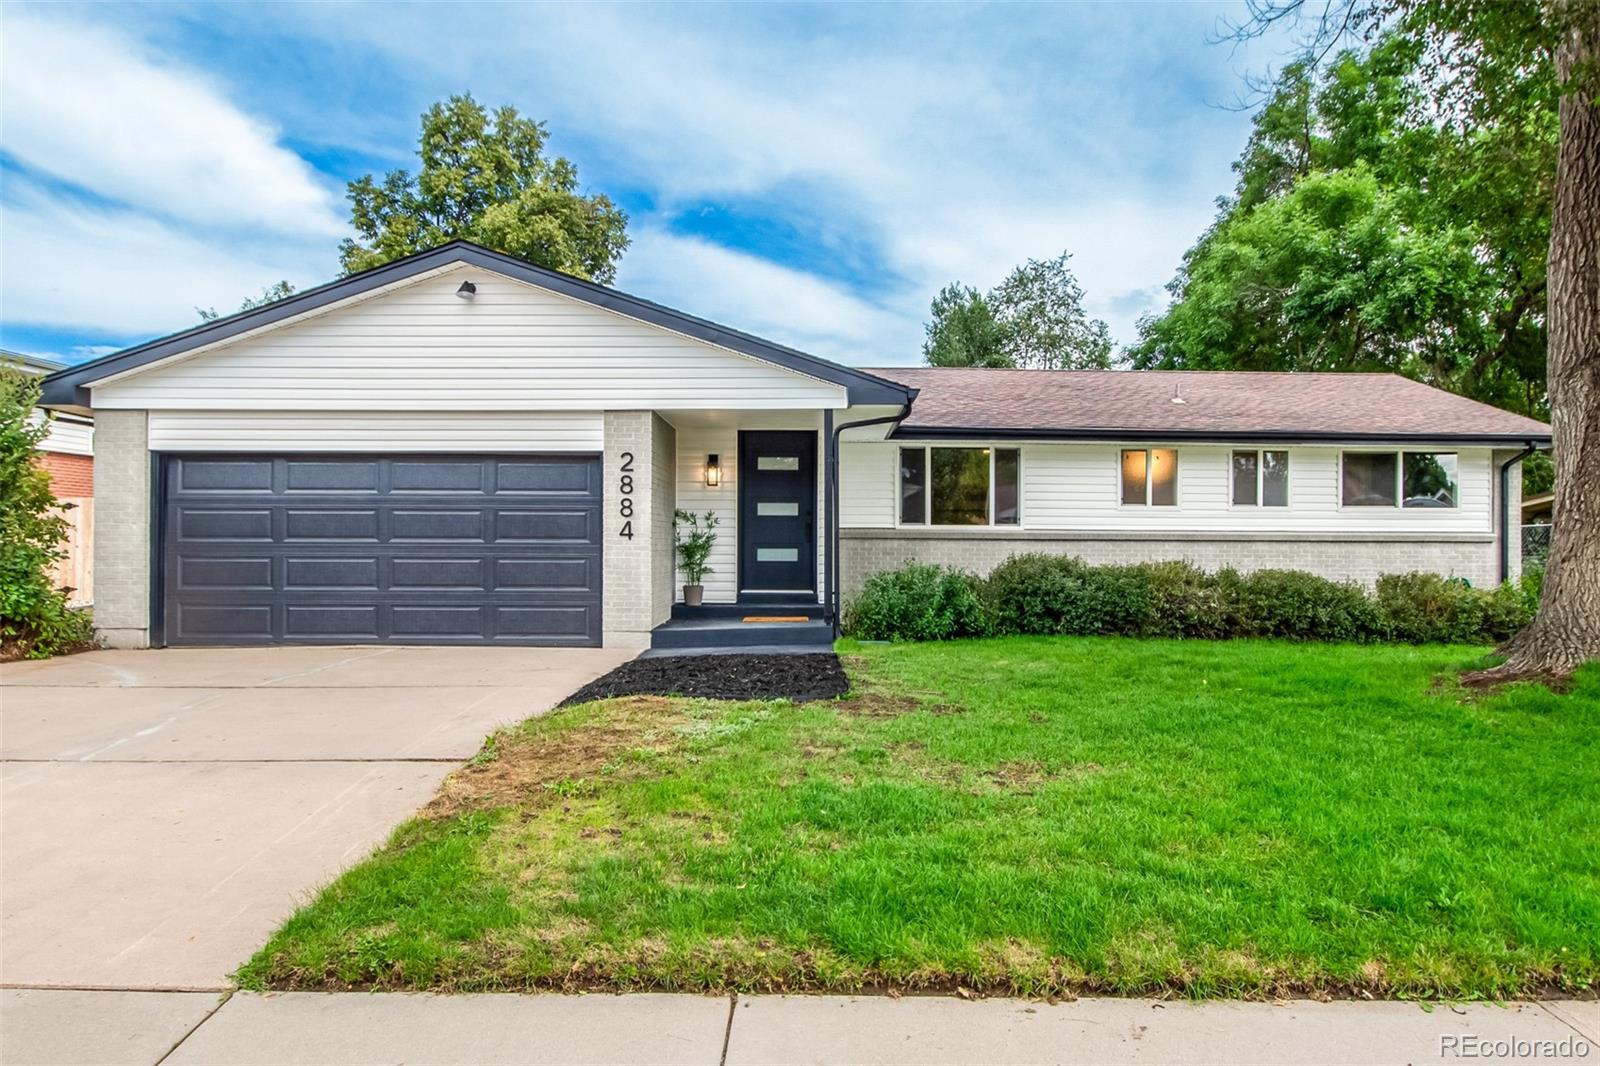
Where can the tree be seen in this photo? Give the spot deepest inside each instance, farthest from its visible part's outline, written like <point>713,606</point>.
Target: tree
<point>271,294</point>
<point>485,178</point>
<point>1034,318</point>
<point>34,614</point>
<point>1479,56</point>
<point>1040,310</point>
<point>963,330</point>
<point>1458,224</point>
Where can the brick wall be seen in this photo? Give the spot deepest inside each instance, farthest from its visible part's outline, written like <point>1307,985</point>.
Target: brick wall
<point>122,529</point>
<point>70,475</point>
<point>631,574</point>
<point>664,497</point>
<point>1472,556</point>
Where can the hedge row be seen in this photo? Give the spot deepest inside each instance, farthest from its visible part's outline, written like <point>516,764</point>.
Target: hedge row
<point>1057,594</point>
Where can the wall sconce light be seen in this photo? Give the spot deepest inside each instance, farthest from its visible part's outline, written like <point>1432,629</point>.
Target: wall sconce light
<point>713,472</point>
<point>467,291</point>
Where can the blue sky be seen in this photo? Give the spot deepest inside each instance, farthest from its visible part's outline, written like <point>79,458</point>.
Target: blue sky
<point>813,174</point>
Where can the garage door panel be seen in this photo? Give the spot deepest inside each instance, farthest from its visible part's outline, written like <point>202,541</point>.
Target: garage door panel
<point>303,574</point>
<point>337,552</point>
<point>331,524</point>
<point>570,622</point>
<point>227,476</point>
<point>225,572</point>
<point>576,574</point>
<point>548,527</point>
<point>227,621</point>
<point>330,476</point>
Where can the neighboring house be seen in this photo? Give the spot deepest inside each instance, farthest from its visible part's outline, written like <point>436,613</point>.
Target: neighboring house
<point>458,447</point>
<point>1538,510</point>
<point>67,455</point>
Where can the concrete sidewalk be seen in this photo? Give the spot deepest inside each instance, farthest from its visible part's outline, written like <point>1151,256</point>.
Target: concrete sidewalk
<point>181,1029</point>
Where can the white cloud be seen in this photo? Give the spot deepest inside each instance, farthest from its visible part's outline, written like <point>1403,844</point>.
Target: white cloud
<point>761,297</point>
<point>113,271</point>
<point>92,108</point>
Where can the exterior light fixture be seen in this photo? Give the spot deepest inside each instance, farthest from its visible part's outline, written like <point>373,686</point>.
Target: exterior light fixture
<point>713,472</point>
<point>467,291</point>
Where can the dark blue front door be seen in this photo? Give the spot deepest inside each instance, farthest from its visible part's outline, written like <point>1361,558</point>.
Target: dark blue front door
<point>777,511</point>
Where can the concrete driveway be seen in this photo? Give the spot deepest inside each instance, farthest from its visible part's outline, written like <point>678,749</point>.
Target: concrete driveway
<point>162,812</point>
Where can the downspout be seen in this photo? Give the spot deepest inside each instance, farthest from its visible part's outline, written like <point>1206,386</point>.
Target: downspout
<point>1505,509</point>
<point>831,503</point>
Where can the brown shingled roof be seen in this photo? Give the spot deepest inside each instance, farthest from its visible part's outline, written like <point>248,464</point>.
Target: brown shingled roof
<point>1216,405</point>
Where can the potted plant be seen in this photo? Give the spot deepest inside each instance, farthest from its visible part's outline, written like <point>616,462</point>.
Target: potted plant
<point>694,535</point>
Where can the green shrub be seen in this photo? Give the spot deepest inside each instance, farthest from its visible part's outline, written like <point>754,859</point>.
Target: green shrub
<point>1421,608</point>
<point>1188,601</point>
<point>1531,585</point>
<point>1295,605</point>
<point>917,602</point>
<point>34,615</point>
<point>1058,594</point>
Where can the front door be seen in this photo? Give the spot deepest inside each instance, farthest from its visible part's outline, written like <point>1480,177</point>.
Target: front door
<point>777,511</point>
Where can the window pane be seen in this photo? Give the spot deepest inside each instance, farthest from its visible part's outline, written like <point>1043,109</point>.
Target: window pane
<point>1368,479</point>
<point>960,486</point>
<point>1274,479</point>
<point>777,462</point>
<point>1244,479</point>
<point>777,555</point>
<point>913,497</point>
<point>767,509</point>
<point>1007,486</point>
<point>1430,479</point>
<point>1163,477</point>
<point>1133,477</point>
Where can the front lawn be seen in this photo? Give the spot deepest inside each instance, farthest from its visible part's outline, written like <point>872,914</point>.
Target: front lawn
<point>1034,815</point>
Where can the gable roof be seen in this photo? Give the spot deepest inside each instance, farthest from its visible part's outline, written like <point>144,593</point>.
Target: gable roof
<point>1217,405</point>
<point>69,388</point>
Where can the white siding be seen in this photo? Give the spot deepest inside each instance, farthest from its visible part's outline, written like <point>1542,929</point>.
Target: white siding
<point>514,347</point>
<point>1076,487</point>
<point>368,431</point>
<point>69,436</point>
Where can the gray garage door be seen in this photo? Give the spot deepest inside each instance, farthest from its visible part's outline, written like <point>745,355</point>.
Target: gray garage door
<point>261,549</point>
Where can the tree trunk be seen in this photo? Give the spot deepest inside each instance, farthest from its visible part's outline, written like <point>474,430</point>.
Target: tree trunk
<point>1566,632</point>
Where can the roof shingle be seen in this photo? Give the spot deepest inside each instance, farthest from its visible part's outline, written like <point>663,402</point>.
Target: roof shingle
<point>1216,405</point>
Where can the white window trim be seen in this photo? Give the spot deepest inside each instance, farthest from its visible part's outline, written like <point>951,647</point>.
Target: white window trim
<point>1177,474</point>
<point>927,486</point>
<point>1288,481</point>
<point>1399,479</point>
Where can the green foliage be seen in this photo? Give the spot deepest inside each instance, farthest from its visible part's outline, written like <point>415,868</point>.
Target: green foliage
<point>1538,474</point>
<point>269,295</point>
<point>1053,594</point>
<point>1043,325</point>
<point>1034,318</point>
<point>1379,225</point>
<point>1421,608</point>
<point>485,178</point>
<point>963,331</point>
<point>917,602</point>
<point>33,612</point>
<point>694,535</point>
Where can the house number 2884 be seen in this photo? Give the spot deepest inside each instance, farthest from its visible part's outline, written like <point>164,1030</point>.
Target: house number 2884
<point>625,495</point>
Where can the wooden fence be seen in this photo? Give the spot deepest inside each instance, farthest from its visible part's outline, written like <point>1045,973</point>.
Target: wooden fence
<point>75,570</point>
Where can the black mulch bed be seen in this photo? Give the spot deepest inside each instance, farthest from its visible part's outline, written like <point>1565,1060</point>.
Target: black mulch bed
<point>723,677</point>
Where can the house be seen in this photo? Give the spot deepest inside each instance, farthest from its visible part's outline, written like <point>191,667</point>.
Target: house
<point>67,455</point>
<point>458,447</point>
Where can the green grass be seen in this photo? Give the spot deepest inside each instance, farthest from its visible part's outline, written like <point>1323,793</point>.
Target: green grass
<point>1033,815</point>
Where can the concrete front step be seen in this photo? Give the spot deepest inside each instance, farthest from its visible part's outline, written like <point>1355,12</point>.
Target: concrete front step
<point>736,611</point>
<point>731,634</point>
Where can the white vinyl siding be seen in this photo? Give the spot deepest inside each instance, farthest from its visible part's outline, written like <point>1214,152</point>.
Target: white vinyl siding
<point>513,347</point>
<point>370,431</point>
<point>68,436</point>
<point>1076,488</point>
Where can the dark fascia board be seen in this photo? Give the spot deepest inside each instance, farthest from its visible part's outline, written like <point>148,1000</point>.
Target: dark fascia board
<point>932,433</point>
<point>68,388</point>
